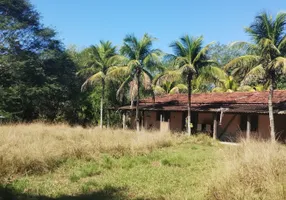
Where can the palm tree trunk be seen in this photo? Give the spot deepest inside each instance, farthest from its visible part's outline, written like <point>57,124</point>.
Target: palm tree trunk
<point>101,103</point>
<point>189,103</point>
<point>137,102</point>
<point>270,107</point>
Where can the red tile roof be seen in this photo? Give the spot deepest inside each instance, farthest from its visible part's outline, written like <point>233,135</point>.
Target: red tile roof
<point>236,102</point>
<point>211,98</point>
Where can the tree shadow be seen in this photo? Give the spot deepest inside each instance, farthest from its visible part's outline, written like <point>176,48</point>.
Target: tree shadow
<point>107,193</point>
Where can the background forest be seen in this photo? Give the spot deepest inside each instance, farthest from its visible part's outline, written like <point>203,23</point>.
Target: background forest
<point>42,80</point>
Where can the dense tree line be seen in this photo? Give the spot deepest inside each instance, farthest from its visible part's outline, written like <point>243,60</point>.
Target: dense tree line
<point>41,80</point>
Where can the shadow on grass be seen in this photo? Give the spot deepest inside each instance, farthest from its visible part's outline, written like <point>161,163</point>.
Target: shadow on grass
<point>108,192</point>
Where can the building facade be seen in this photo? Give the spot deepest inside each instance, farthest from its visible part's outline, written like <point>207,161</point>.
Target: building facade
<point>226,116</point>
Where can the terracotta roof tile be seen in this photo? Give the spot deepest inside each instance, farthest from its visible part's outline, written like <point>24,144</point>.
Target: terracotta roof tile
<point>236,102</point>
<point>234,97</point>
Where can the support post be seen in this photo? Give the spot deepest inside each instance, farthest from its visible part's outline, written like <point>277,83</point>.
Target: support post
<point>161,120</point>
<point>124,121</point>
<point>142,120</point>
<point>108,119</point>
<point>248,127</point>
<point>215,126</point>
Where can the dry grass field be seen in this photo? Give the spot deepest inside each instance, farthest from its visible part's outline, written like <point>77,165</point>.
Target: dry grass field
<point>58,162</point>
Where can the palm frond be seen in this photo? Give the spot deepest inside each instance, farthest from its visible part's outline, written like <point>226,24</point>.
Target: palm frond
<point>147,79</point>
<point>282,46</point>
<point>123,85</point>
<point>91,80</point>
<point>180,88</point>
<point>116,73</point>
<point>246,88</point>
<point>202,53</point>
<point>279,64</point>
<point>158,90</point>
<point>242,65</point>
<point>218,89</point>
<point>86,71</point>
<point>249,47</point>
<point>279,26</point>
<point>168,75</point>
<point>255,74</point>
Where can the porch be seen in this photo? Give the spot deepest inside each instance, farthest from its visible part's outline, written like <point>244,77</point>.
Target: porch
<point>219,125</point>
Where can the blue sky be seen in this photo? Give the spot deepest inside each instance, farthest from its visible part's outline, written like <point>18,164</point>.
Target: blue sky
<point>85,22</point>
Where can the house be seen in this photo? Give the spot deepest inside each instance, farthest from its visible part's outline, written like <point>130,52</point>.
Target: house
<point>227,116</point>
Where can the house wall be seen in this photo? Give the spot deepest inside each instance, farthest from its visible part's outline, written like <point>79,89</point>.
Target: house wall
<point>176,121</point>
<point>205,118</point>
<point>150,120</point>
<point>263,127</point>
<point>230,127</point>
<point>280,127</point>
<point>231,130</point>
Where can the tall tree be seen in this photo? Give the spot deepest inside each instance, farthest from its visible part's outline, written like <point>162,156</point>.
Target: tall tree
<point>36,75</point>
<point>190,57</point>
<point>268,61</point>
<point>222,53</point>
<point>142,60</point>
<point>100,59</point>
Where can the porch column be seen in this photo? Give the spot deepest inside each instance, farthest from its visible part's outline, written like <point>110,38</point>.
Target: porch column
<point>108,119</point>
<point>142,120</point>
<point>215,126</point>
<point>161,120</point>
<point>124,120</point>
<point>248,127</point>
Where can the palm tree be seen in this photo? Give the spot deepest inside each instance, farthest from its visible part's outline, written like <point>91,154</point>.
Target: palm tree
<point>168,82</point>
<point>100,58</point>
<point>142,60</point>
<point>190,57</point>
<point>223,82</point>
<point>268,60</point>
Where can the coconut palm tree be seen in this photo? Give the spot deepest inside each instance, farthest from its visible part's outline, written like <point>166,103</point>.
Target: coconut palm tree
<point>168,82</point>
<point>189,57</point>
<point>100,58</point>
<point>223,82</point>
<point>142,60</point>
<point>268,59</point>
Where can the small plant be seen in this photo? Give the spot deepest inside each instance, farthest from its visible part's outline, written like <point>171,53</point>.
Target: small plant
<point>87,170</point>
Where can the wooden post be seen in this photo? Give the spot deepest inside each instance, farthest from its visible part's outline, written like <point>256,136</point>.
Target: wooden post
<point>124,120</point>
<point>142,120</point>
<point>161,120</point>
<point>215,126</point>
<point>248,127</point>
<point>108,119</point>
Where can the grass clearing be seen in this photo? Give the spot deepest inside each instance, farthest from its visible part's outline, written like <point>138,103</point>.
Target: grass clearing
<point>252,170</point>
<point>134,166</point>
<point>169,173</point>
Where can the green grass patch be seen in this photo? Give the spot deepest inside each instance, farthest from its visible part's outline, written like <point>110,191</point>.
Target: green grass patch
<point>175,172</point>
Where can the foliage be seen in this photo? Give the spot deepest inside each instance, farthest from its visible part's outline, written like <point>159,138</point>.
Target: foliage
<point>37,77</point>
<point>41,80</point>
<point>150,165</point>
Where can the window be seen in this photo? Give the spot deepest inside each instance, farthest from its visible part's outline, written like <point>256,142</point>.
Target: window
<point>253,122</point>
<point>165,116</point>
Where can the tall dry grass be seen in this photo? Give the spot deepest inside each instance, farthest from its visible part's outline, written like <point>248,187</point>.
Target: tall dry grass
<point>39,147</point>
<point>251,170</point>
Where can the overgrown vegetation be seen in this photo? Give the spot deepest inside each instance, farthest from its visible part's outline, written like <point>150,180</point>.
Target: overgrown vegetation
<point>59,162</point>
<point>36,148</point>
<point>41,80</point>
<point>251,170</point>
